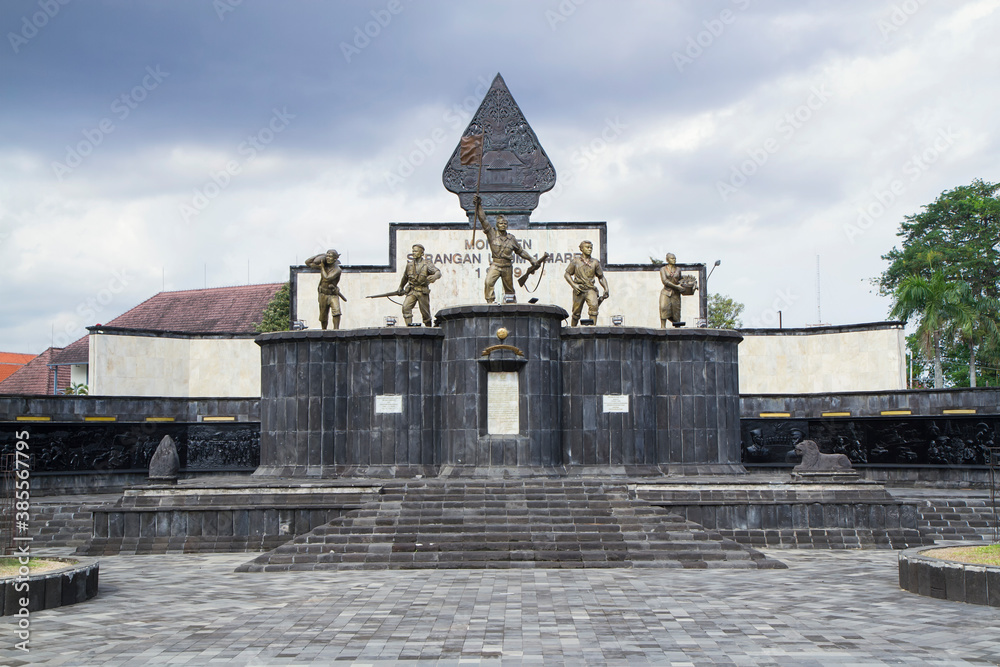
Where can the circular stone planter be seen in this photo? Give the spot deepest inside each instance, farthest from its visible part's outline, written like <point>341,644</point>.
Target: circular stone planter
<point>47,590</point>
<point>949,579</point>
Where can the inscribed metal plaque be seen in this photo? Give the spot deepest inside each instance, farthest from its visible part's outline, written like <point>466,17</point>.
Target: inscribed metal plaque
<point>389,404</point>
<point>615,403</point>
<point>502,394</point>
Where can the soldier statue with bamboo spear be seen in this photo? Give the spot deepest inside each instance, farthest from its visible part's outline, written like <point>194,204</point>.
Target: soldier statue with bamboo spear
<point>503,245</point>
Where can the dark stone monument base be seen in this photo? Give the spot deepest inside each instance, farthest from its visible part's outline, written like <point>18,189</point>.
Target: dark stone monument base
<point>259,513</point>
<point>782,514</point>
<point>846,477</point>
<point>660,401</point>
<point>219,515</point>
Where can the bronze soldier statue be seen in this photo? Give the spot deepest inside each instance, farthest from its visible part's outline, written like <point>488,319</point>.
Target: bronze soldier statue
<point>417,277</point>
<point>503,247</point>
<point>329,289</point>
<point>670,295</point>
<point>580,275</point>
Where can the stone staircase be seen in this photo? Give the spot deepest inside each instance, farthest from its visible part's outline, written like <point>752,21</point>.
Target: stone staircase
<point>59,525</point>
<point>960,519</point>
<point>531,523</point>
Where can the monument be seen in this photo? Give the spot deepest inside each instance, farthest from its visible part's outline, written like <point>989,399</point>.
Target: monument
<point>502,436</point>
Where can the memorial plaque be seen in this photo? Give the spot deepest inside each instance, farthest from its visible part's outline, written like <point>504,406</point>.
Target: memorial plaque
<point>615,402</point>
<point>389,404</point>
<point>502,394</point>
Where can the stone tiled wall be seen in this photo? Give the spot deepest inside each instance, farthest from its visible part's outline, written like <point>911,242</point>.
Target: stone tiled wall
<point>922,402</point>
<point>319,388</point>
<point>70,409</point>
<point>468,331</point>
<point>682,389</point>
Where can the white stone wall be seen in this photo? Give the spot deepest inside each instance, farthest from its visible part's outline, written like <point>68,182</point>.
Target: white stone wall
<point>163,366</point>
<point>224,367</point>
<point>634,294</point>
<point>821,361</point>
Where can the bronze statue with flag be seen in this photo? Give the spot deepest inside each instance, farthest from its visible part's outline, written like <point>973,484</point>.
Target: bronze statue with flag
<point>503,245</point>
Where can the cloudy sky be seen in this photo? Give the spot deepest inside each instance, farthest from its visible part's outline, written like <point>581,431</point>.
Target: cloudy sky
<point>174,144</point>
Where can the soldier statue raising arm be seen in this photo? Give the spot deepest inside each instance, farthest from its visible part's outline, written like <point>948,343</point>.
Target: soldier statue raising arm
<point>503,247</point>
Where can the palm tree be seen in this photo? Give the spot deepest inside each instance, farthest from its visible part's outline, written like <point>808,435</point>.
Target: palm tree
<point>939,303</point>
<point>974,323</point>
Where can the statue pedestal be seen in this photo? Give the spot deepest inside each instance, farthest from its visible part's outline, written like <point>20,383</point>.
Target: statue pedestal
<point>459,400</point>
<point>845,477</point>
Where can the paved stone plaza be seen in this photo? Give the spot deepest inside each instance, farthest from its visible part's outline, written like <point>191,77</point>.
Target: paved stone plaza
<point>829,607</point>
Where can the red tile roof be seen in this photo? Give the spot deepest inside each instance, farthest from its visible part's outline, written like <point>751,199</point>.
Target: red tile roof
<point>216,310</point>
<point>77,352</point>
<point>35,377</point>
<point>11,361</point>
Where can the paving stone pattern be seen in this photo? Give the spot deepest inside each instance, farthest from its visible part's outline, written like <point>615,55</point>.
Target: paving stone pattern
<point>508,524</point>
<point>828,608</point>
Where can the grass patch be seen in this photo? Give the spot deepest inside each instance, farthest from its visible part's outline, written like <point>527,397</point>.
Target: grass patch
<point>984,555</point>
<point>9,567</point>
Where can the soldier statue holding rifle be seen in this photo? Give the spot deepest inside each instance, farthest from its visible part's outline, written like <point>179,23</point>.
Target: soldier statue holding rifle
<point>420,272</point>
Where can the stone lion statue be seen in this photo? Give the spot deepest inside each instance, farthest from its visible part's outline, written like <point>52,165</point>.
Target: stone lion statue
<point>814,460</point>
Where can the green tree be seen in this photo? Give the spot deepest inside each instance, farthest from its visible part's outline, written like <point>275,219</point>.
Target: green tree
<point>278,312</point>
<point>955,239</point>
<point>935,301</point>
<point>723,312</point>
